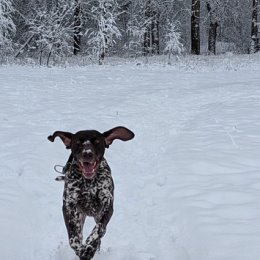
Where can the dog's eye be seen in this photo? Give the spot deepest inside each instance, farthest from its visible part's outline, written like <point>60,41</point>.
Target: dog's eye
<point>96,141</point>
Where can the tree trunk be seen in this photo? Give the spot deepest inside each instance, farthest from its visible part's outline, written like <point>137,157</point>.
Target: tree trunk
<point>125,18</point>
<point>151,35</point>
<point>147,34</point>
<point>155,34</point>
<point>77,28</point>
<point>255,46</point>
<point>102,54</point>
<point>212,38</point>
<point>146,42</point>
<point>195,27</point>
<point>48,58</point>
<point>41,57</point>
<point>212,31</point>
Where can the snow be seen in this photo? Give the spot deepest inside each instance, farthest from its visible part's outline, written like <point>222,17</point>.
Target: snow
<point>187,187</point>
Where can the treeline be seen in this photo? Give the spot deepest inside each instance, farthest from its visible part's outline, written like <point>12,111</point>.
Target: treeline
<point>46,29</point>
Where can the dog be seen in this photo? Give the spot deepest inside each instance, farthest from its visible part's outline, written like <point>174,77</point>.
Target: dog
<point>89,187</point>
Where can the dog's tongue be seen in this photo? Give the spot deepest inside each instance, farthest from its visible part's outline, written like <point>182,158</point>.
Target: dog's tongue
<point>88,169</point>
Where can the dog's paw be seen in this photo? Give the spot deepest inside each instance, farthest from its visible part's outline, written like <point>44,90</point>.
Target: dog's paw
<point>87,252</point>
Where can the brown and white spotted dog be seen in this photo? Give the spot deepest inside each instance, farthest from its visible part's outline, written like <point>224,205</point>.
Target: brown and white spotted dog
<point>89,188</point>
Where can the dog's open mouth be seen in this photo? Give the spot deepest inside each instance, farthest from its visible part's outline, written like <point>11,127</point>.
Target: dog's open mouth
<point>88,169</point>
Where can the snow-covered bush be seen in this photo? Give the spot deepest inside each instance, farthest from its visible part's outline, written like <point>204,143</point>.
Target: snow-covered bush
<point>7,27</point>
<point>103,35</point>
<point>173,41</point>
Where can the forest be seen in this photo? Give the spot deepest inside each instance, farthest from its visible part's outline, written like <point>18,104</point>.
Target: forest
<point>55,30</point>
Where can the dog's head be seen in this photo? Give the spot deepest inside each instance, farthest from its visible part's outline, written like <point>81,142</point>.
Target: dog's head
<point>88,147</point>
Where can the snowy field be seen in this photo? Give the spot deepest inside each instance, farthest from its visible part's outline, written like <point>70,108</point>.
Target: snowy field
<point>187,186</point>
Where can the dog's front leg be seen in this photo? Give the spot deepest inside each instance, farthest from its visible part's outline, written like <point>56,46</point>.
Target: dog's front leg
<point>74,221</point>
<point>73,217</point>
<point>94,240</point>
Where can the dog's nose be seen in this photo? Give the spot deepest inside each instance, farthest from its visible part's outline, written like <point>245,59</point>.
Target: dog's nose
<point>88,154</point>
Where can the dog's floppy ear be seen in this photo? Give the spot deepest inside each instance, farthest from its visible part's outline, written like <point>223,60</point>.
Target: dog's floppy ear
<point>64,136</point>
<point>119,132</point>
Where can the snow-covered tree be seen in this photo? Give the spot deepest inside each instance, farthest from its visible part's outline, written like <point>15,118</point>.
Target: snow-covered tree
<point>103,36</point>
<point>52,32</point>
<point>135,28</point>
<point>151,36</point>
<point>136,31</point>
<point>7,26</point>
<point>254,28</point>
<point>173,41</point>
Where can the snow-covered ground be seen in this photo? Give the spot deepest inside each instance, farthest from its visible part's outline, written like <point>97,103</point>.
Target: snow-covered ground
<point>187,186</point>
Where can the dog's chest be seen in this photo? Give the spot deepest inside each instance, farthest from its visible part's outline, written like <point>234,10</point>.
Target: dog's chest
<point>89,200</point>
<point>89,195</point>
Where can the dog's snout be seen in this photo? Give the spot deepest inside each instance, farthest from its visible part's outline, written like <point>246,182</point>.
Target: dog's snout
<point>88,154</point>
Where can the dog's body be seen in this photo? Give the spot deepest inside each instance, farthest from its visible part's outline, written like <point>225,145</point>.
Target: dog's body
<point>89,188</point>
<point>93,198</point>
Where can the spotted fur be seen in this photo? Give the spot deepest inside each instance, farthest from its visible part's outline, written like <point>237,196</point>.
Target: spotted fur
<point>93,198</point>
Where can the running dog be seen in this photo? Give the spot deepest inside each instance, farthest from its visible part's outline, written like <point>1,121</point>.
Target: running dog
<point>89,187</point>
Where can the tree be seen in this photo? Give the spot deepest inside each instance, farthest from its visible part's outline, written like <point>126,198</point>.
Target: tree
<point>173,41</point>
<point>213,24</point>
<point>77,27</point>
<point>7,26</point>
<point>52,31</point>
<point>103,35</point>
<point>255,47</point>
<point>151,36</point>
<point>195,27</point>
<point>136,28</point>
